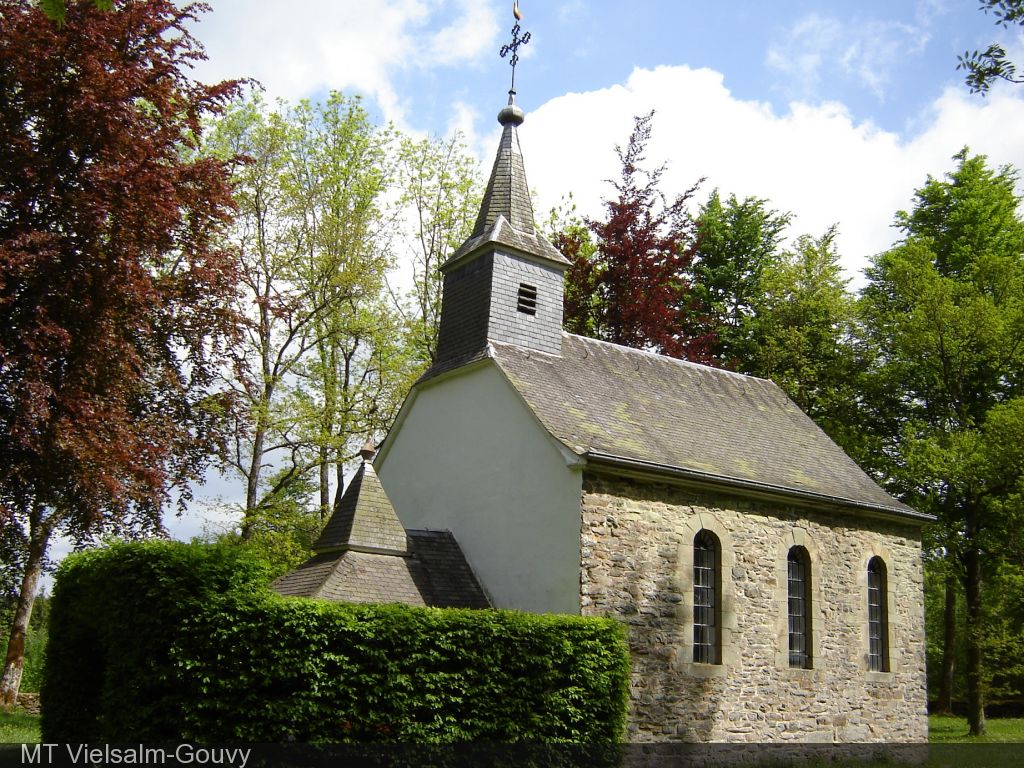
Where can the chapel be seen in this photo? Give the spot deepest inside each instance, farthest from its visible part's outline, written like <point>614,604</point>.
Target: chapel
<point>772,591</point>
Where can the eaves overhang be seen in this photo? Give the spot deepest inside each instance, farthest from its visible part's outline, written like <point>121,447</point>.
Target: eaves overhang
<point>640,469</point>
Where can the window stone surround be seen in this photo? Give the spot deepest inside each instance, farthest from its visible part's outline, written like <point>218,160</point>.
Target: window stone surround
<point>797,537</point>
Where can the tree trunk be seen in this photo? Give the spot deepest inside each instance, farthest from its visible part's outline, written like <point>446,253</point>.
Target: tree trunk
<point>14,662</point>
<point>339,479</point>
<point>253,480</point>
<point>975,682</point>
<point>325,484</point>
<point>944,704</point>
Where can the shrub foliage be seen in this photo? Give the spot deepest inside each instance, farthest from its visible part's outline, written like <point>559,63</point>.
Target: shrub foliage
<point>172,642</point>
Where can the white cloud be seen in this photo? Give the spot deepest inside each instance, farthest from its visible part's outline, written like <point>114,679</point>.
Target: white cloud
<point>319,45</point>
<point>866,52</point>
<point>814,161</point>
<point>469,37</point>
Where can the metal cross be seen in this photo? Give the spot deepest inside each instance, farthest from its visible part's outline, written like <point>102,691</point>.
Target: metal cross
<point>514,48</point>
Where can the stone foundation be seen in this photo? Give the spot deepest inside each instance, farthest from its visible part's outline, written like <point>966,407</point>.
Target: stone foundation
<point>636,552</point>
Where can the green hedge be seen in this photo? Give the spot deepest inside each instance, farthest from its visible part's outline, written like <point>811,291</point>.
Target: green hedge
<point>171,642</point>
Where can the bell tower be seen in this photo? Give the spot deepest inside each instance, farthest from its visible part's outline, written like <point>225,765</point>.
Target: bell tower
<point>505,283</point>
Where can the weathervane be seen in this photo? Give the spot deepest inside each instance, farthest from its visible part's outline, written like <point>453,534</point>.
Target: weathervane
<point>516,42</point>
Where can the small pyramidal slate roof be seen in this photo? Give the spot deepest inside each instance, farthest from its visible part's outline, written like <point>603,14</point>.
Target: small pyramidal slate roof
<point>364,519</point>
<point>506,213</point>
<point>365,555</point>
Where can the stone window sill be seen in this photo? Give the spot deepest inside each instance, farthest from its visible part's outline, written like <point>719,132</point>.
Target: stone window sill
<point>693,669</point>
<point>879,677</point>
<point>797,673</point>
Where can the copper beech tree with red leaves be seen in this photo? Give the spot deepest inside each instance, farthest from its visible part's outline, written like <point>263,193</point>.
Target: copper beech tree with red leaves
<point>629,284</point>
<point>112,287</point>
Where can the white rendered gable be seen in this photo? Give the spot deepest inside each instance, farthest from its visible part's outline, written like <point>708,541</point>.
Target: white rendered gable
<point>466,454</point>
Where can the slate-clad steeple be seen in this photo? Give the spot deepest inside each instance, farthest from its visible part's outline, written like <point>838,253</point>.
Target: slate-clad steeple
<point>505,282</point>
<point>507,197</point>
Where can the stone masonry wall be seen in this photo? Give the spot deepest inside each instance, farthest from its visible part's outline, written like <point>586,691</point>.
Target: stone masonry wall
<point>636,545</point>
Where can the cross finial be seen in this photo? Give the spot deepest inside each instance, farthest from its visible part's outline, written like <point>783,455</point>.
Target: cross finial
<point>513,47</point>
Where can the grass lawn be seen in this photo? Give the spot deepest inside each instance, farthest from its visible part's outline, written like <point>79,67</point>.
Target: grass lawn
<point>19,728</point>
<point>945,729</point>
<point>22,727</point>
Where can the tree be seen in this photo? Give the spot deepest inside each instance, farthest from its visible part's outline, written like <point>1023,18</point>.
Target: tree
<point>738,241</point>
<point>284,527</point>
<point>804,323</point>
<point>351,384</point>
<point>644,246</point>
<point>277,317</point>
<point>56,10</point>
<point>944,310</point>
<point>982,68</point>
<point>323,357</point>
<point>581,300</point>
<point>112,291</point>
<point>441,191</point>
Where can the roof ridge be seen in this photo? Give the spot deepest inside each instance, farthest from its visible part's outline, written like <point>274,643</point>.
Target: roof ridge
<point>669,358</point>
<point>646,352</point>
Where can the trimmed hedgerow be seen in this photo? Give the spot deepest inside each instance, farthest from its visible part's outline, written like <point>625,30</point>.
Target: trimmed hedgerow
<point>115,613</point>
<point>203,652</point>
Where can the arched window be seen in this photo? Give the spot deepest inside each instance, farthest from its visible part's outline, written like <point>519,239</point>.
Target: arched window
<point>707,599</point>
<point>799,608</point>
<point>878,618</point>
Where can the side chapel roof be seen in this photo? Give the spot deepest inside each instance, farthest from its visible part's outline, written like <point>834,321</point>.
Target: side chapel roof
<point>435,573</point>
<point>365,555</point>
<point>364,519</point>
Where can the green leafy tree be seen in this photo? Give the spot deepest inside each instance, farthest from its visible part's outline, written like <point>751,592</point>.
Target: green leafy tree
<point>282,530</point>
<point>944,311</point>
<point>440,193</point>
<point>359,368</point>
<point>738,241</point>
<point>277,316</point>
<point>944,613</point>
<point>581,298</point>
<point>805,321</point>
<point>112,286</point>
<point>982,68</point>
<point>324,356</point>
<point>56,10</point>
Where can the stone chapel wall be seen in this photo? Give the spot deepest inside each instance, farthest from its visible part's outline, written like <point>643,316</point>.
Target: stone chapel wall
<point>636,550</point>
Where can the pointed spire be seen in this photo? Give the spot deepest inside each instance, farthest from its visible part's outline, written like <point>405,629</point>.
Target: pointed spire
<point>364,519</point>
<point>507,193</point>
<point>506,211</point>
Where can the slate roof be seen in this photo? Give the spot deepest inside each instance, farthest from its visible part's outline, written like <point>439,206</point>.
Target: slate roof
<point>627,407</point>
<point>503,233</point>
<point>506,212</point>
<point>365,555</point>
<point>435,573</point>
<point>364,518</point>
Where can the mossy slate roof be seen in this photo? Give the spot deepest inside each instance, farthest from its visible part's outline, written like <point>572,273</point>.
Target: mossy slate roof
<point>620,405</point>
<point>364,518</point>
<point>434,573</point>
<point>365,555</point>
<point>506,213</point>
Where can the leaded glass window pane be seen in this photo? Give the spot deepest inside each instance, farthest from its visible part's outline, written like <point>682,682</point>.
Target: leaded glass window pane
<point>877,652</point>
<point>799,609</point>
<point>705,599</point>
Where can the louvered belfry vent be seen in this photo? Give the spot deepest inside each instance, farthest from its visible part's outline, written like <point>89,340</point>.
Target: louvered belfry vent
<point>527,299</point>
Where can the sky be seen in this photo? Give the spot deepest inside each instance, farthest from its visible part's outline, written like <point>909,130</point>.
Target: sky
<point>834,111</point>
<point>831,110</point>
